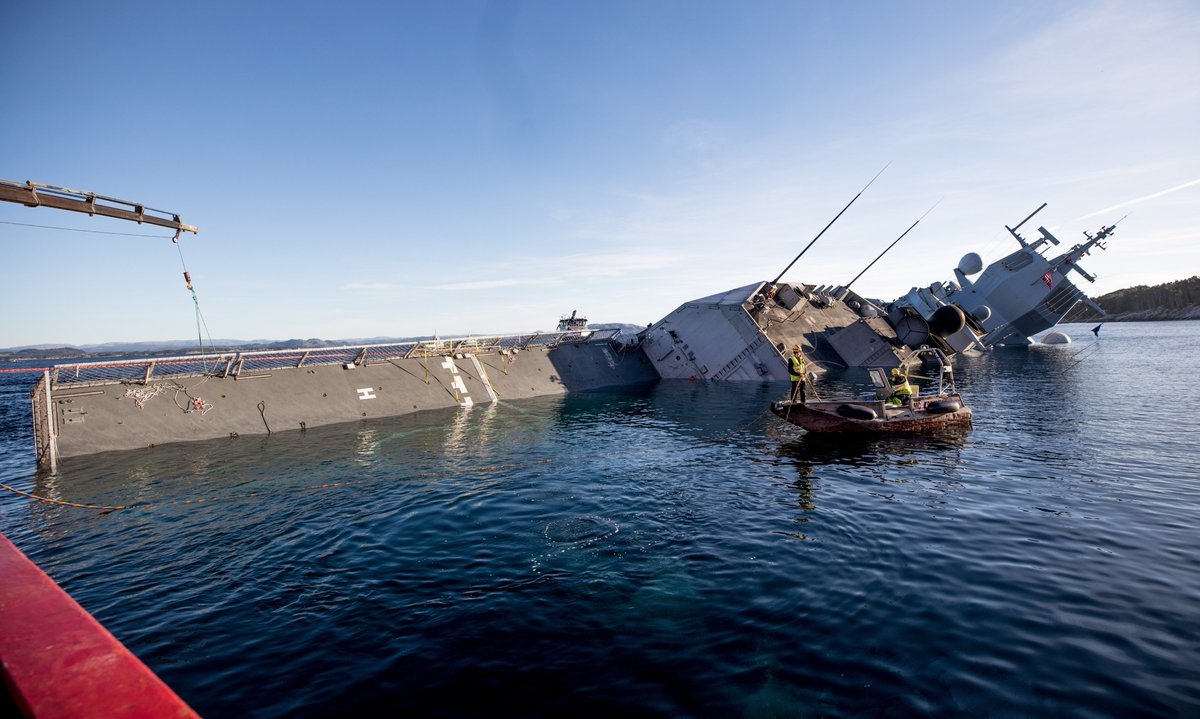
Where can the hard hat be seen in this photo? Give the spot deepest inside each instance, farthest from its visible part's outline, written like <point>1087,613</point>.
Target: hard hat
<point>795,348</point>
<point>896,370</point>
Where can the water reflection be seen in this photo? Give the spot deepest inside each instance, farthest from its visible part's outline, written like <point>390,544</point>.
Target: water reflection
<point>833,462</point>
<point>864,450</point>
<point>368,444</point>
<point>373,454</point>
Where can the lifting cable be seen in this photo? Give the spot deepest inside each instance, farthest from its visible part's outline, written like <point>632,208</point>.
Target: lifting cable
<point>77,229</point>
<point>201,325</point>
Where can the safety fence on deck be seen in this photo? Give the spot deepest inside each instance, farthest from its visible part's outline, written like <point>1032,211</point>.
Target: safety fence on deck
<point>236,364</point>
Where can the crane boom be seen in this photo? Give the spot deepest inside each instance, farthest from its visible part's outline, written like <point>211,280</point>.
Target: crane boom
<point>35,194</point>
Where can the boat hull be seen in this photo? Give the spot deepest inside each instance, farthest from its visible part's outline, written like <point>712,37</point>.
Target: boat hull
<point>923,414</point>
<point>96,407</point>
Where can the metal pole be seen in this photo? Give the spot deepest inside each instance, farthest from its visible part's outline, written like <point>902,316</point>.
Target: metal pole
<point>835,219</point>
<point>51,429</point>
<point>1013,230</point>
<point>889,247</point>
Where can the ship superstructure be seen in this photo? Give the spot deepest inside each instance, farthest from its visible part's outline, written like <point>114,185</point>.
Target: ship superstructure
<point>745,333</point>
<point>1015,297</point>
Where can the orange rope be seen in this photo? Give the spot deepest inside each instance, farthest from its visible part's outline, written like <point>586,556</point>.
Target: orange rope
<point>47,500</point>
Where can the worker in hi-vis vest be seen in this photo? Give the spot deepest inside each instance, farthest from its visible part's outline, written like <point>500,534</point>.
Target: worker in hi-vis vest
<point>901,389</point>
<point>796,370</point>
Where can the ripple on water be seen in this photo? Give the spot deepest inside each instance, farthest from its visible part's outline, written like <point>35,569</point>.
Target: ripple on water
<point>669,553</point>
<point>580,530</point>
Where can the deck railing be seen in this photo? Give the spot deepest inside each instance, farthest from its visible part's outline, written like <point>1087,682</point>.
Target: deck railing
<point>223,364</point>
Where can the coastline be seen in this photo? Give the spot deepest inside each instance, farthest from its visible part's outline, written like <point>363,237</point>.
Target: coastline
<point>1156,314</point>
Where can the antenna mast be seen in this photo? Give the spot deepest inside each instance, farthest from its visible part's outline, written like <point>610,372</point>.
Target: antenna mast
<point>835,219</point>
<point>889,247</point>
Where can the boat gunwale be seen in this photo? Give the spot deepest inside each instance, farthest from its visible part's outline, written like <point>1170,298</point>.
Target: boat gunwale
<point>829,421</point>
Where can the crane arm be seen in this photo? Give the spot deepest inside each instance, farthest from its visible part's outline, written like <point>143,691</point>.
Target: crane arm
<point>35,194</point>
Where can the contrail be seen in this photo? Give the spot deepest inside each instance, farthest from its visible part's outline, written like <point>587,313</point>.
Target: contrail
<point>1140,199</point>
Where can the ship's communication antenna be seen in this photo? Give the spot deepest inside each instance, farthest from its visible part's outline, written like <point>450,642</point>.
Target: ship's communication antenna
<point>889,247</point>
<point>835,219</point>
<point>1013,230</point>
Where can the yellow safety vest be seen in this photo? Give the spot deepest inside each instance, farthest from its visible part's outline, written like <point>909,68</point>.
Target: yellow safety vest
<point>796,367</point>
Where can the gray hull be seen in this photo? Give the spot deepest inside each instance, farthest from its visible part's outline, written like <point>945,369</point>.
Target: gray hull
<point>88,408</point>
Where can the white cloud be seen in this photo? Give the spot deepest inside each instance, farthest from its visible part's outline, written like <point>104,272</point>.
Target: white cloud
<point>1114,58</point>
<point>1139,200</point>
<point>490,284</point>
<point>372,286</point>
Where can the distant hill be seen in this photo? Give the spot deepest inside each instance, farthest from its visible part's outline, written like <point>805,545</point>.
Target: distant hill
<point>1179,300</point>
<point>41,352</point>
<point>187,347</point>
<point>180,347</point>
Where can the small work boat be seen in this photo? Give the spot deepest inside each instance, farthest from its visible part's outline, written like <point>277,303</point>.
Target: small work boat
<point>890,410</point>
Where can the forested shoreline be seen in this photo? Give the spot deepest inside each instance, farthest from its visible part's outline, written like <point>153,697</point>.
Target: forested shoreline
<point>1179,300</point>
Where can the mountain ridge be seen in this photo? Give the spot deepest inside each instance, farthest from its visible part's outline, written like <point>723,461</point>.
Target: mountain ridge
<point>185,347</point>
<point>1178,300</point>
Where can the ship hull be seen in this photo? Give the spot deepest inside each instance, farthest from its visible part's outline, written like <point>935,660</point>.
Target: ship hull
<point>159,401</point>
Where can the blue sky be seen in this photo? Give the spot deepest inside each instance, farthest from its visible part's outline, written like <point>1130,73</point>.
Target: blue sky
<point>398,169</point>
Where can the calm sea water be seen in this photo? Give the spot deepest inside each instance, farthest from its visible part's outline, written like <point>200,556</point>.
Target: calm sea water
<point>676,552</point>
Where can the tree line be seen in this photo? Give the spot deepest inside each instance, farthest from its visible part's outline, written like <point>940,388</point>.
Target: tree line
<point>1169,298</point>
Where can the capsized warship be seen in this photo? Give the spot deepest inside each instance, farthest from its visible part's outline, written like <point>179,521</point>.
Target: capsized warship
<point>738,335</point>
<point>745,333</point>
<point>91,407</point>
